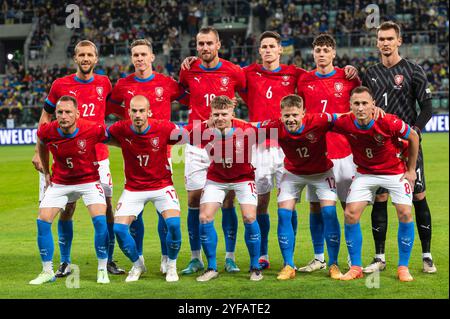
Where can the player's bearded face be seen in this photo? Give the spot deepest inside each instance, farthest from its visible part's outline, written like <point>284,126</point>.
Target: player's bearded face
<point>323,55</point>
<point>207,47</point>
<point>362,106</point>
<point>388,42</point>
<point>139,115</point>
<point>66,115</point>
<point>270,50</point>
<point>292,118</point>
<point>86,59</point>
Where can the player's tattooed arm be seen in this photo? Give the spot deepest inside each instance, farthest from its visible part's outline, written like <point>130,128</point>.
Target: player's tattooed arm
<point>413,151</point>
<point>45,118</point>
<point>44,158</point>
<point>350,72</point>
<point>186,64</point>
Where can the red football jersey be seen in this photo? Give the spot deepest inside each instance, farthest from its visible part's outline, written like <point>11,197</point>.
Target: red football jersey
<point>74,155</point>
<point>375,147</point>
<point>145,160</point>
<point>305,150</point>
<point>159,89</point>
<point>328,93</point>
<point>91,96</point>
<point>204,84</point>
<point>230,155</point>
<point>266,88</point>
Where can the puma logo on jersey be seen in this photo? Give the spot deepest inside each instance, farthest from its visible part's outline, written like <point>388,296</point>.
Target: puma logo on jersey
<point>259,74</point>
<point>73,92</point>
<point>55,146</point>
<point>128,140</point>
<point>373,79</point>
<point>197,79</point>
<point>311,87</point>
<point>131,92</point>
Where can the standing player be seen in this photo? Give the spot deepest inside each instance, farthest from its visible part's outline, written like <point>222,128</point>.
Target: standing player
<point>148,178</point>
<point>303,140</point>
<point>91,92</point>
<point>267,84</point>
<point>161,91</point>
<point>73,143</point>
<point>397,84</point>
<point>375,149</point>
<point>326,89</point>
<point>208,77</point>
<point>230,169</point>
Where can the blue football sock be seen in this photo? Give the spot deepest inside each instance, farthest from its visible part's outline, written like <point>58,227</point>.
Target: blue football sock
<point>253,241</point>
<point>286,235</point>
<point>126,243</point>
<point>65,236</point>
<point>332,232</point>
<point>294,221</point>
<point>208,236</point>
<point>101,236</point>
<point>137,230</point>
<point>264,226</point>
<point>405,238</point>
<point>111,241</point>
<point>163,233</point>
<point>229,226</point>
<point>316,229</point>
<point>45,240</point>
<point>193,223</point>
<point>173,237</point>
<point>353,238</point>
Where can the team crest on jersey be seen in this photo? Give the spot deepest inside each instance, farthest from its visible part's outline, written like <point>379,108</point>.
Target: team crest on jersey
<point>285,80</point>
<point>311,137</point>
<point>398,79</point>
<point>224,80</point>
<point>99,90</point>
<point>82,146</point>
<point>159,91</point>
<point>338,86</point>
<point>155,143</point>
<point>379,138</point>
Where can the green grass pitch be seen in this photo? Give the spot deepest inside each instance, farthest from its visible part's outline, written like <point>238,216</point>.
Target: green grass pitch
<point>20,262</point>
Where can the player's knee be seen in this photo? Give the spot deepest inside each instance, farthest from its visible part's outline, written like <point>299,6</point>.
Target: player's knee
<point>248,218</point>
<point>314,207</point>
<point>404,215</point>
<point>205,219</point>
<point>263,203</point>
<point>419,196</point>
<point>350,216</point>
<point>67,213</point>
<point>382,197</point>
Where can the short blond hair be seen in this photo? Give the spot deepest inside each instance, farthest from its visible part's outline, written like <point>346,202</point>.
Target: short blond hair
<point>86,43</point>
<point>292,100</point>
<point>222,102</point>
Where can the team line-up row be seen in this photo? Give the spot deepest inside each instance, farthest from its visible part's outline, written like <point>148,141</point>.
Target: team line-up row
<point>301,159</point>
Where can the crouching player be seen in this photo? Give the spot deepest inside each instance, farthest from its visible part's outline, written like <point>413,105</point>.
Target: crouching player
<point>72,142</point>
<point>374,145</point>
<point>302,138</point>
<point>148,179</point>
<point>229,146</point>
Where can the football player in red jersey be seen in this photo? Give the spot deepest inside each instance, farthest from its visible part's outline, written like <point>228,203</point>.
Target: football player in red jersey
<point>374,144</point>
<point>208,77</point>
<point>91,91</point>
<point>303,140</point>
<point>327,89</point>
<point>148,175</point>
<point>161,91</point>
<point>73,143</point>
<point>228,145</point>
